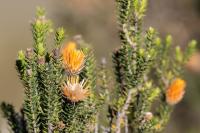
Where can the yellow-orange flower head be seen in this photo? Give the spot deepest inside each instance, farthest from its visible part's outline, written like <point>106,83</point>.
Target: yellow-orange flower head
<point>175,92</point>
<point>73,59</point>
<point>74,90</point>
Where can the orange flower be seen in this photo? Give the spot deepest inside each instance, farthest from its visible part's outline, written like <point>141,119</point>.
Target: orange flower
<point>175,92</point>
<point>73,59</point>
<point>74,90</point>
<point>158,127</point>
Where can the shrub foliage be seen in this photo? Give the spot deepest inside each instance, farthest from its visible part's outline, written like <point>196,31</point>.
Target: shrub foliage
<point>65,91</point>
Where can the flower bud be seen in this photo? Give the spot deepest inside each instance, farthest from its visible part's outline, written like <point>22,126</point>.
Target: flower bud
<point>29,53</point>
<point>40,49</point>
<point>56,53</point>
<point>61,125</point>
<point>41,60</point>
<point>168,40</point>
<point>21,55</point>
<point>148,116</point>
<point>29,72</point>
<point>103,61</point>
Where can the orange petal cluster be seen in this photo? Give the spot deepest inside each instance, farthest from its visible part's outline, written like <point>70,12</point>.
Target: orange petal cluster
<point>175,92</point>
<point>74,90</point>
<point>73,59</point>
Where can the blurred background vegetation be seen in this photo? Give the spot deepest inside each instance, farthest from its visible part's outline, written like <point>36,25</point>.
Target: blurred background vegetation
<point>96,21</point>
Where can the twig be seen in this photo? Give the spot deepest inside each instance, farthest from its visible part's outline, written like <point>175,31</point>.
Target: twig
<point>165,81</point>
<point>105,130</point>
<point>127,36</point>
<point>50,128</point>
<point>96,124</point>
<point>120,115</point>
<point>126,123</point>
